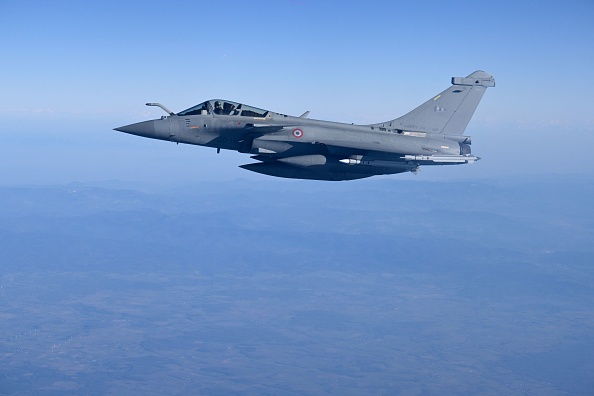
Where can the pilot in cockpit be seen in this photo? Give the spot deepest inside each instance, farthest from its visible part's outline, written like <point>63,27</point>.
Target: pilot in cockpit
<point>228,108</point>
<point>218,109</point>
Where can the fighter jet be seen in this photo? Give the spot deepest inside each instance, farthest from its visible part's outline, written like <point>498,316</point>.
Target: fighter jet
<point>303,148</point>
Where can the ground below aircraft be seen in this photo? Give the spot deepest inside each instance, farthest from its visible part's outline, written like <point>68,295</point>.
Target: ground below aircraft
<point>303,148</point>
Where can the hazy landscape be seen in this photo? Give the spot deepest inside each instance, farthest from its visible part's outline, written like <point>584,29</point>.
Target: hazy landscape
<point>372,287</point>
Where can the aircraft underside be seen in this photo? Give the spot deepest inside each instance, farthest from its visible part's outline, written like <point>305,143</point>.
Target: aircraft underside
<point>318,167</point>
<point>320,172</point>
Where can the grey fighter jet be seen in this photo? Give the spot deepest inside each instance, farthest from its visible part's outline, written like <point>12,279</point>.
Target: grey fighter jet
<point>303,148</point>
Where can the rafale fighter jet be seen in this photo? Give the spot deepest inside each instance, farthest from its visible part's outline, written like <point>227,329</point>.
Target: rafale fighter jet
<point>302,148</point>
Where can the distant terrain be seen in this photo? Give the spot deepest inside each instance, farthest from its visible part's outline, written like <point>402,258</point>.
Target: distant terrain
<point>371,287</point>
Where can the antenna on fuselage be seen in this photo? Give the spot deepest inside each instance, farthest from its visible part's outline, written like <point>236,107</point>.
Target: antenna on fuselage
<point>161,106</point>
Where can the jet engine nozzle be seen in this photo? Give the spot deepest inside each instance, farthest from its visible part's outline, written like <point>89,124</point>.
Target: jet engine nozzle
<point>465,149</point>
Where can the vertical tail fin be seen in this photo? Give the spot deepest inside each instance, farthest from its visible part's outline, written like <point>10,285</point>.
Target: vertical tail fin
<point>450,111</point>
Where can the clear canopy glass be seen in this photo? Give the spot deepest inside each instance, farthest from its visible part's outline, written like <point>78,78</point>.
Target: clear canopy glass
<point>224,107</point>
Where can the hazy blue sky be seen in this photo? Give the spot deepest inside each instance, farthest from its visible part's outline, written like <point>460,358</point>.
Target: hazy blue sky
<point>72,71</point>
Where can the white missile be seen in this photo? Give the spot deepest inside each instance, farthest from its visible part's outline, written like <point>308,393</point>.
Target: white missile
<point>350,161</point>
<point>442,158</point>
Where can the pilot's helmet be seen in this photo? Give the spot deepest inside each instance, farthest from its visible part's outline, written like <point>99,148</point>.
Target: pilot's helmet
<point>217,104</point>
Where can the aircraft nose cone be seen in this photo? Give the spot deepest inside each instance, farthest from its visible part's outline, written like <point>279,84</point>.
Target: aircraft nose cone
<point>145,128</point>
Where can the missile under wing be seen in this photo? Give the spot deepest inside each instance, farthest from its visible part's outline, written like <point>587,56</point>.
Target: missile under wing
<point>304,148</point>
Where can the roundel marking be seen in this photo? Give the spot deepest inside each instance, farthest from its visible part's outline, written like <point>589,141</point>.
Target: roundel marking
<point>297,133</point>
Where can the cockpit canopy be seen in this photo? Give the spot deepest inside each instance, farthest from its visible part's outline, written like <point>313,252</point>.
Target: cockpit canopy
<point>224,107</point>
